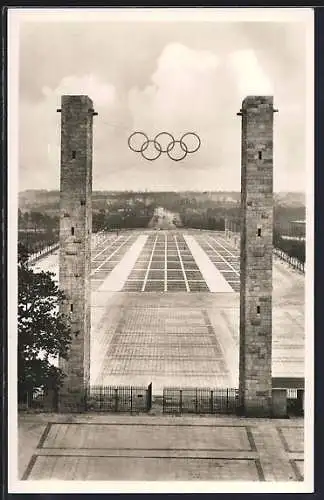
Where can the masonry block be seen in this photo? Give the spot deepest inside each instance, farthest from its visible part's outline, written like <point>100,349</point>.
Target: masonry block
<point>255,382</point>
<point>279,403</point>
<point>75,242</point>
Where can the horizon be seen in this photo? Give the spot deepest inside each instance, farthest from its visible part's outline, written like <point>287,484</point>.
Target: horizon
<point>145,191</point>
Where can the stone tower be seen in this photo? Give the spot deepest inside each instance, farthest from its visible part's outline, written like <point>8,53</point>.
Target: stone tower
<point>255,380</point>
<point>75,242</point>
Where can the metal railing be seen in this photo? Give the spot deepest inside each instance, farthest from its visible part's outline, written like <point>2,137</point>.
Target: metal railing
<point>42,253</point>
<point>175,400</point>
<point>119,398</point>
<point>200,400</point>
<point>292,261</point>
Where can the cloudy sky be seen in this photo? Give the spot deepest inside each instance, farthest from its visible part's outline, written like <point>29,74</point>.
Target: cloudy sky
<point>154,76</point>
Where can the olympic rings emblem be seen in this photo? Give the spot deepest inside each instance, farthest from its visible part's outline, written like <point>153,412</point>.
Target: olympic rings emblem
<point>164,142</point>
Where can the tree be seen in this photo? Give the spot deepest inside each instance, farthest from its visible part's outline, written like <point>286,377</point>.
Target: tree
<point>43,332</point>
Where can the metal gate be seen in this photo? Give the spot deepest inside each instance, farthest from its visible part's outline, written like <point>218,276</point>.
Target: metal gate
<point>200,400</point>
<point>295,402</point>
<point>119,398</point>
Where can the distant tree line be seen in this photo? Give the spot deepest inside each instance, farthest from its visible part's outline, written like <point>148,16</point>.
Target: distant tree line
<point>37,230</point>
<point>207,218</point>
<point>124,217</point>
<point>37,221</point>
<point>203,221</point>
<point>283,215</point>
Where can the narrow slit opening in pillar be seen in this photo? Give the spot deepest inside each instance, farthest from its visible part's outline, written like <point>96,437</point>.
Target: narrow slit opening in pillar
<point>259,231</point>
<point>73,155</point>
<point>258,309</point>
<point>71,308</point>
<point>260,155</point>
<point>72,231</point>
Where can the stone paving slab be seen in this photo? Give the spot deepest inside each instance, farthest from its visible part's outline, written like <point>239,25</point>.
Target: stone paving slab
<point>143,469</point>
<point>177,299</point>
<point>175,350</point>
<point>125,436</point>
<point>164,379</point>
<point>287,345</point>
<point>292,438</point>
<point>137,354</point>
<point>298,467</point>
<point>146,447</point>
<point>167,367</point>
<point>25,419</point>
<point>30,433</point>
<point>188,337</point>
<point>164,453</point>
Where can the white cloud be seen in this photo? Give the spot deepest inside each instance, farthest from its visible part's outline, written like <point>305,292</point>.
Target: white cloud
<point>188,90</point>
<point>40,127</point>
<point>180,94</point>
<point>178,64</point>
<point>249,75</point>
<point>192,90</point>
<point>101,93</point>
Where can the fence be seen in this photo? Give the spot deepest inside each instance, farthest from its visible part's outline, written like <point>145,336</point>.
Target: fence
<point>295,402</point>
<point>42,253</point>
<point>119,399</point>
<point>175,400</point>
<point>200,400</point>
<point>39,400</point>
<point>292,261</point>
<point>96,398</point>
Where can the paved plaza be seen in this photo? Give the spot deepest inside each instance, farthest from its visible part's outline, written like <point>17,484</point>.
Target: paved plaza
<point>165,309</point>
<point>167,263</point>
<point>143,448</point>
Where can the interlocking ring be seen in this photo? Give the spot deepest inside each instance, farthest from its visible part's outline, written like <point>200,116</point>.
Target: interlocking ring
<point>146,146</point>
<point>140,150</point>
<point>164,142</point>
<point>196,136</point>
<point>157,143</point>
<point>183,150</point>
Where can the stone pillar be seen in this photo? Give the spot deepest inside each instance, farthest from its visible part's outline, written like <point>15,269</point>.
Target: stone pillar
<point>255,383</point>
<point>279,403</point>
<point>75,243</point>
<point>301,400</point>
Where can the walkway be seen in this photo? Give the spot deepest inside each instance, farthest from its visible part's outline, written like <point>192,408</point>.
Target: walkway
<point>118,276</point>
<point>159,448</point>
<point>214,279</point>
